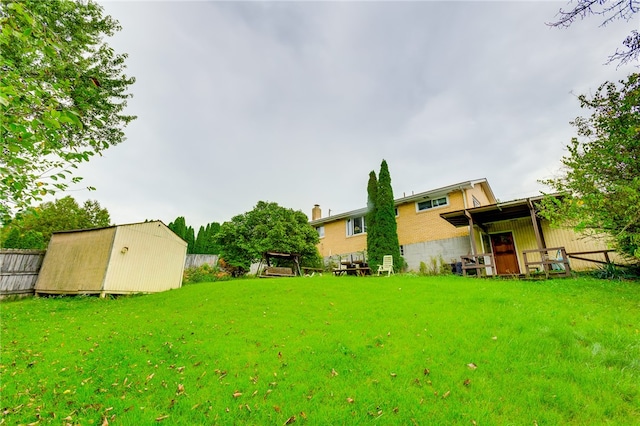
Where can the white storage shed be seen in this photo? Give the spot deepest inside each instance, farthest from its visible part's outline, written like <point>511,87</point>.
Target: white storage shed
<point>143,257</point>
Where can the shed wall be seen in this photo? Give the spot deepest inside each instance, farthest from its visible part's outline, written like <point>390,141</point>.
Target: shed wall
<point>146,257</point>
<point>76,262</point>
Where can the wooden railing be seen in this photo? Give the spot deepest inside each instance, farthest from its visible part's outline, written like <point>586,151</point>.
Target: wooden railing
<point>479,263</point>
<point>556,264</point>
<point>607,260</point>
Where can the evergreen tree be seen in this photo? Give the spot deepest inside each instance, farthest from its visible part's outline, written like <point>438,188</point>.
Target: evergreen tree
<point>190,238</point>
<point>385,225</point>
<point>373,251</point>
<point>211,246</point>
<point>200,245</point>
<point>179,226</point>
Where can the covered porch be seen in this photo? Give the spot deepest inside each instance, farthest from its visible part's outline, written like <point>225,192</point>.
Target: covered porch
<point>510,239</point>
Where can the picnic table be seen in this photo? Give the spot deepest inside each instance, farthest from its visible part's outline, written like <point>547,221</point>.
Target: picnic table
<point>353,267</point>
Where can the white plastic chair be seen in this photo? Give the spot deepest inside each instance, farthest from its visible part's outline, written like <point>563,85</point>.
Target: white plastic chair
<point>387,265</point>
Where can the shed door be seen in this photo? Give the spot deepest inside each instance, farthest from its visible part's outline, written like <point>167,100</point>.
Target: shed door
<point>504,253</point>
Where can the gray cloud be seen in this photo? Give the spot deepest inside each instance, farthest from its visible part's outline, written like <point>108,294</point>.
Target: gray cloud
<point>295,102</point>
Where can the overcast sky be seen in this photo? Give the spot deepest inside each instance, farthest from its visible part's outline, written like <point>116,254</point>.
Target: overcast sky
<point>296,102</point>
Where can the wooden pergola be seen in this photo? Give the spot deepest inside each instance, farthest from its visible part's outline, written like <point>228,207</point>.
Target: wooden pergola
<point>279,271</point>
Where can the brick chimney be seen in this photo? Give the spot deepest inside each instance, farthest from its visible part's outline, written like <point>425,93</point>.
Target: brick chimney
<point>316,213</point>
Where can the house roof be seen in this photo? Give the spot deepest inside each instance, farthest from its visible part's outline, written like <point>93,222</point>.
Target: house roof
<point>433,193</point>
<point>498,212</point>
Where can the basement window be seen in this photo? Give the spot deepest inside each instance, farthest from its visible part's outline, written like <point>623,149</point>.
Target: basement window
<point>430,204</point>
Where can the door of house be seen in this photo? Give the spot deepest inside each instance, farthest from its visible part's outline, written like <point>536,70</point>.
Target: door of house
<point>504,253</point>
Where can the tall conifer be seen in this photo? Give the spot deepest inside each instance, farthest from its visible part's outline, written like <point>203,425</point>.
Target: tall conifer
<point>370,220</point>
<point>386,228</point>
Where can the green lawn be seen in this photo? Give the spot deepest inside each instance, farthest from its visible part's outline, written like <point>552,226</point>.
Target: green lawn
<point>329,350</point>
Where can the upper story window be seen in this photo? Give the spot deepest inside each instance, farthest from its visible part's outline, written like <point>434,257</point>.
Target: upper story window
<point>355,226</point>
<point>320,230</point>
<point>429,204</point>
<point>476,203</point>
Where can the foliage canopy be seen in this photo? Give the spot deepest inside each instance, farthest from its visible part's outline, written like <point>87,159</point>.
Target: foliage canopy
<point>62,93</point>
<point>602,170</point>
<point>268,227</point>
<point>32,228</point>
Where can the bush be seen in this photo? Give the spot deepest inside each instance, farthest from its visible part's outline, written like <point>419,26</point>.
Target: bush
<point>610,271</point>
<point>436,266</point>
<point>204,273</point>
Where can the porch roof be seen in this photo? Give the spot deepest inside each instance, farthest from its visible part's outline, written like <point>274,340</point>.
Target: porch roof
<point>498,212</point>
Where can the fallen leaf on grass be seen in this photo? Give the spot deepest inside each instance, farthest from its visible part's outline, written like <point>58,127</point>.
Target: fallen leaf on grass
<point>472,366</point>
<point>467,382</point>
<point>303,415</point>
<point>237,394</point>
<point>446,394</point>
<point>180,389</point>
<point>426,372</point>
<point>334,373</point>
<point>350,400</point>
<point>161,418</point>
<point>290,420</point>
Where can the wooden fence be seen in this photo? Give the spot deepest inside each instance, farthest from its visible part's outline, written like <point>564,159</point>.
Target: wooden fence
<point>19,271</point>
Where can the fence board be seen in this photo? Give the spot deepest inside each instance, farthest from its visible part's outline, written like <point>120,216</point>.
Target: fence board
<point>19,271</point>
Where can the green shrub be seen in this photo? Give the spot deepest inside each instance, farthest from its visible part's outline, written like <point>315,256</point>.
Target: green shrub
<point>610,271</point>
<point>204,273</point>
<point>436,266</point>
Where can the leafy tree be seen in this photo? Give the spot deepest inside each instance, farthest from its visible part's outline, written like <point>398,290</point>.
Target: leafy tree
<point>62,93</point>
<point>384,228</point>
<point>33,227</point>
<point>602,170</point>
<point>268,227</point>
<point>608,11</point>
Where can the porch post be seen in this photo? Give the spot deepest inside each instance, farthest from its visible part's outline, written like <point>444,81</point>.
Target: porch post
<point>472,234</point>
<point>536,229</point>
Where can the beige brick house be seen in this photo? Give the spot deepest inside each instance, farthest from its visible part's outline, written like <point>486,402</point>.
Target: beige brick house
<point>423,234</point>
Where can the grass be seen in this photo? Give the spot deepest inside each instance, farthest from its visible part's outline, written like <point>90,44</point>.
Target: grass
<point>328,350</point>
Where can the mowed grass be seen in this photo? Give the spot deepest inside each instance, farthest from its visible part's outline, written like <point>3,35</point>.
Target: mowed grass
<point>329,350</point>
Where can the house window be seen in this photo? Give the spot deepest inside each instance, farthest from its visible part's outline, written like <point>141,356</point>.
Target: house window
<point>476,203</point>
<point>430,204</point>
<point>320,230</point>
<point>355,226</point>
